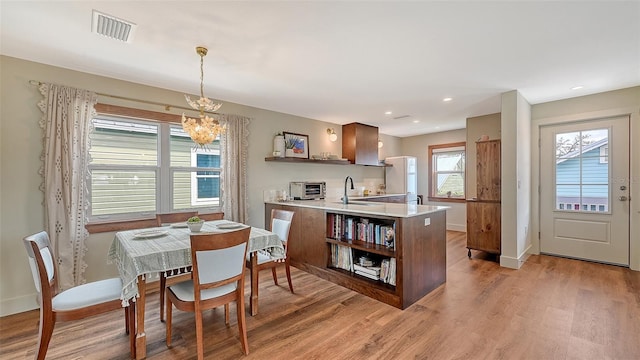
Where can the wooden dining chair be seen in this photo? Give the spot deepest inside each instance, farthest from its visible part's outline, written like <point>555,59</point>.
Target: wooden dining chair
<point>75,303</point>
<point>218,279</point>
<point>176,275</point>
<point>280,224</point>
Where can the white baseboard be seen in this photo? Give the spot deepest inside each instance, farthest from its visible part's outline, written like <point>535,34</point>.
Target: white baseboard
<point>515,263</point>
<point>18,304</point>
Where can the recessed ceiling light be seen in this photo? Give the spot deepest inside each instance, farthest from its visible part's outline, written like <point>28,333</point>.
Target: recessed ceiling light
<point>416,121</point>
<point>447,99</point>
<point>577,87</point>
<point>388,113</point>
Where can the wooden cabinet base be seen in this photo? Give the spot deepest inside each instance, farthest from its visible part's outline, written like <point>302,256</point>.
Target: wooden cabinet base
<point>483,227</point>
<point>419,253</point>
<point>370,288</point>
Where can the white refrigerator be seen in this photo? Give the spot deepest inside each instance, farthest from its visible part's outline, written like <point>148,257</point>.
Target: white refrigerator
<point>402,177</point>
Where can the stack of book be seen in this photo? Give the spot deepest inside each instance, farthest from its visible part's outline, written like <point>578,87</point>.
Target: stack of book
<point>371,272</point>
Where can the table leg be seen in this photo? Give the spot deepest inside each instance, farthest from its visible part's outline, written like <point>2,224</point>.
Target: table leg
<point>253,299</point>
<point>131,318</point>
<point>141,337</point>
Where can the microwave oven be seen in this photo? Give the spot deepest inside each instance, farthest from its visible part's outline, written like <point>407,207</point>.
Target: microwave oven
<point>307,190</point>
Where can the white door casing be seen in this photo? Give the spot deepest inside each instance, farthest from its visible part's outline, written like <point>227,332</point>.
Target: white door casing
<point>585,212</point>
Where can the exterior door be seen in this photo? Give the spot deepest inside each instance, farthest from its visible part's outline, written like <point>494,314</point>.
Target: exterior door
<point>584,190</point>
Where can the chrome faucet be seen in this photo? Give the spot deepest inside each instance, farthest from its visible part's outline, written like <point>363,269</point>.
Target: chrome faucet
<point>345,199</point>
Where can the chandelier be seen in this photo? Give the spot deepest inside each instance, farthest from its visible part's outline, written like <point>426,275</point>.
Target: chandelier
<point>204,129</point>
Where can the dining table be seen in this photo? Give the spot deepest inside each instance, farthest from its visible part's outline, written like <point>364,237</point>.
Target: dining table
<point>143,252</point>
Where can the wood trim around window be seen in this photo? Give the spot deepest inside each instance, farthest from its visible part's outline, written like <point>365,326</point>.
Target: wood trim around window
<point>137,113</point>
<point>430,175</point>
<point>148,115</point>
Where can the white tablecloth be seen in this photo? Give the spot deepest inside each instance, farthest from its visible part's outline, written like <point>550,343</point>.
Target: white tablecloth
<point>140,256</point>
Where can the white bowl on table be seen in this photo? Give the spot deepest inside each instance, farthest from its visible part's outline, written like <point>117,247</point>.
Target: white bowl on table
<point>195,226</point>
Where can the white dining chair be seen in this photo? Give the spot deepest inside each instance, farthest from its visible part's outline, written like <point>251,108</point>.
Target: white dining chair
<point>281,225</point>
<point>218,279</point>
<point>75,303</point>
<point>181,274</point>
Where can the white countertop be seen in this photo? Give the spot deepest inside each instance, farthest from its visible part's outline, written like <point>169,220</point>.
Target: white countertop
<point>401,210</point>
<point>374,196</point>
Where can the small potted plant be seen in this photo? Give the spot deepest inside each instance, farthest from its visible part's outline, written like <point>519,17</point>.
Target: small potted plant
<point>195,224</point>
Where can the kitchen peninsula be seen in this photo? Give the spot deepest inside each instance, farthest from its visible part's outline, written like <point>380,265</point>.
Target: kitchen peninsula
<point>392,252</point>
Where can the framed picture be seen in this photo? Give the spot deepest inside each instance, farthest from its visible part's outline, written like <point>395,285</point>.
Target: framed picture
<point>296,145</point>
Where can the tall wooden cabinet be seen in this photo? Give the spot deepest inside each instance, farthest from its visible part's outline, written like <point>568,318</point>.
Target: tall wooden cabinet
<point>483,212</point>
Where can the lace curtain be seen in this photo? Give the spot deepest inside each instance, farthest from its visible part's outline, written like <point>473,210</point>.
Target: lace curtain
<point>66,124</point>
<point>234,146</point>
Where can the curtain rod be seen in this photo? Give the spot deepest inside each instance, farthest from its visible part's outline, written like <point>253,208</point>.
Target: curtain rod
<point>166,107</point>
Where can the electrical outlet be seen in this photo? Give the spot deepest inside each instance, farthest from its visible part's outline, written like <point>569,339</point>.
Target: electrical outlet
<point>427,221</point>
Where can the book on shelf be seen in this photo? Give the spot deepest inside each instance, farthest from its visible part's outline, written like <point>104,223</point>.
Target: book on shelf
<point>392,271</point>
<point>349,228</point>
<point>341,257</point>
<point>388,271</point>
<point>367,275</point>
<point>373,270</point>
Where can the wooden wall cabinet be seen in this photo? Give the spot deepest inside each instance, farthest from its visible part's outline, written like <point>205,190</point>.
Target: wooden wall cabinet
<point>360,144</point>
<point>419,253</point>
<point>484,212</point>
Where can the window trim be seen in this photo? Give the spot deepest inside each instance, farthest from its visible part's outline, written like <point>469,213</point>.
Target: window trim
<point>430,176</point>
<point>102,109</point>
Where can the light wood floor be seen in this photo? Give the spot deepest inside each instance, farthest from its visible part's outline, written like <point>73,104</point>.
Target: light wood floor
<point>552,308</point>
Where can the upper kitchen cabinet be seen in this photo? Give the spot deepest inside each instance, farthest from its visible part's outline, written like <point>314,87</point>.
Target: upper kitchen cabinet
<point>360,144</point>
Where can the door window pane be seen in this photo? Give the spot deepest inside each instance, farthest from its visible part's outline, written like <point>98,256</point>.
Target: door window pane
<point>581,175</point>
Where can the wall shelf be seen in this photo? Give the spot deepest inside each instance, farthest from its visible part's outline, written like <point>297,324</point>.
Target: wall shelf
<point>313,161</point>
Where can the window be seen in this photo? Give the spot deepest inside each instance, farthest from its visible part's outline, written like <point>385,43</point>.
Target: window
<point>446,172</point>
<point>141,167</point>
<point>582,170</point>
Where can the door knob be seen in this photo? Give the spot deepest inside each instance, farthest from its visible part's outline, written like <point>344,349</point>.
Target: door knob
<point>622,198</point>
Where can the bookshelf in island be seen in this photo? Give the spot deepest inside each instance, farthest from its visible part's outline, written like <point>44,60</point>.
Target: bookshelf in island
<point>394,253</point>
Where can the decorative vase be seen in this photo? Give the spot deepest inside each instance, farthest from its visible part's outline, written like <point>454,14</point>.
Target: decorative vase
<point>278,145</point>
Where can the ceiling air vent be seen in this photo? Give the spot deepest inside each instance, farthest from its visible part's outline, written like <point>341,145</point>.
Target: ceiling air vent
<point>401,117</point>
<point>112,27</point>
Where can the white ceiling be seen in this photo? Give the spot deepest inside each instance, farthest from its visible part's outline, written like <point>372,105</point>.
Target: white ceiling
<point>345,62</point>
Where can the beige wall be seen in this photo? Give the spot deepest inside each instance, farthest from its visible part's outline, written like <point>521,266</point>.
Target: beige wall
<point>21,209</point>
<point>418,146</point>
<point>477,127</point>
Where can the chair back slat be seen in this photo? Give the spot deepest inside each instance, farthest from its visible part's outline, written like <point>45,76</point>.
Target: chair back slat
<point>42,264</point>
<point>218,257</point>
<point>221,264</point>
<point>281,223</point>
<point>281,228</point>
<point>169,218</point>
